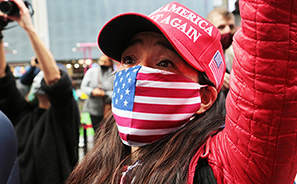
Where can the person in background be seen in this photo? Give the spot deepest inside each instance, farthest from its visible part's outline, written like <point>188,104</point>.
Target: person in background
<point>165,127</point>
<point>224,20</point>
<point>47,133</point>
<point>25,81</point>
<point>27,78</point>
<point>236,14</point>
<point>97,83</point>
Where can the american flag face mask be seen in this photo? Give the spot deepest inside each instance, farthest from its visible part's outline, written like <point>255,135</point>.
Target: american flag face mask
<point>149,103</point>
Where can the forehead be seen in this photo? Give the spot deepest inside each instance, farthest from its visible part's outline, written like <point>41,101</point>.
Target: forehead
<point>148,35</point>
<point>219,19</point>
<point>103,57</point>
<point>152,38</point>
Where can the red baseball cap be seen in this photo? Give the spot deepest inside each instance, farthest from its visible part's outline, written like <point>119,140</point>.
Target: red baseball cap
<point>195,39</point>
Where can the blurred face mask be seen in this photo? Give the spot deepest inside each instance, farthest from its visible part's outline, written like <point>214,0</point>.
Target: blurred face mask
<point>36,85</point>
<point>149,104</point>
<point>103,67</point>
<point>226,40</point>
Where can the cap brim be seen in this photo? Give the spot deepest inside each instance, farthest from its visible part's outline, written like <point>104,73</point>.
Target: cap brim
<point>116,34</point>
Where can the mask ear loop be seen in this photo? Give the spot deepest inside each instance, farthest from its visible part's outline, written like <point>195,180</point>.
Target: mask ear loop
<point>203,85</point>
<point>200,86</point>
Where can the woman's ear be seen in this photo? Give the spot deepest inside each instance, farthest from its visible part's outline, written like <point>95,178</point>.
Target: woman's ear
<point>208,97</point>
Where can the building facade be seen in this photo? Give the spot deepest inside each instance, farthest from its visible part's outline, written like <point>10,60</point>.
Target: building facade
<point>70,28</point>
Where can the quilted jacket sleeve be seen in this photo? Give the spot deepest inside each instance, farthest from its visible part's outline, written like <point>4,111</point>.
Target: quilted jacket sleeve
<point>259,143</point>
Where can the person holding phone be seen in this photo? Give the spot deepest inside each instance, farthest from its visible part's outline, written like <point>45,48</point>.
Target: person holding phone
<point>47,133</point>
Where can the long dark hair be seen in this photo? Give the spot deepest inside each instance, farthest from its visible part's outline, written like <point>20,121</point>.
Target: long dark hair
<point>165,161</point>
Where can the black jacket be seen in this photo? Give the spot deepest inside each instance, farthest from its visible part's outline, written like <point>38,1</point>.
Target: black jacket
<point>47,139</point>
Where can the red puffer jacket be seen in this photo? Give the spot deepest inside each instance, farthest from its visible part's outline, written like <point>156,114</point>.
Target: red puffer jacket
<point>259,142</point>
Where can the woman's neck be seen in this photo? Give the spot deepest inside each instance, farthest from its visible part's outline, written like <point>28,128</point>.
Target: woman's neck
<point>134,156</point>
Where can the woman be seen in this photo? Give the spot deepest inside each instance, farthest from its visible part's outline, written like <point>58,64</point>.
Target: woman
<point>185,142</point>
<point>97,84</point>
<point>47,132</point>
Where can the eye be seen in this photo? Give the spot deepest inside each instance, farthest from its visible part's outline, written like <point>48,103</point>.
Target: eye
<point>221,27</point>
<point>127,60</point>
<point>165,63</point>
